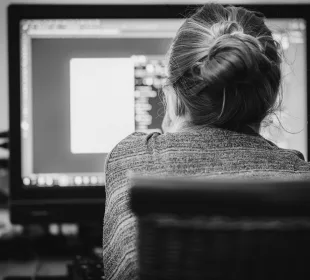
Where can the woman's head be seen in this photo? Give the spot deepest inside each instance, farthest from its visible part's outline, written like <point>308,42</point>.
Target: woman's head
<point>224,67</point>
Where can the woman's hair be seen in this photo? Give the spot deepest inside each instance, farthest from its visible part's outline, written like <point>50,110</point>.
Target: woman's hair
<point>224,66</point>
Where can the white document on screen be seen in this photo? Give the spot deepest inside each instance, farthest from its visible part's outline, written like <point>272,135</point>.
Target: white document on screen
<point>102,104</point>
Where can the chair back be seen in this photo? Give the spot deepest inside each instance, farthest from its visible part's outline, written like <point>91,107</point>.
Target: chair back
<point>216,229</point>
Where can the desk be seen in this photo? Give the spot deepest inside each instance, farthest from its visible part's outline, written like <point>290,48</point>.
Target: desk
<point>47,267</point>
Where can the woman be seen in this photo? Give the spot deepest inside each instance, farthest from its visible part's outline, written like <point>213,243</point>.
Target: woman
<point>224,79</point>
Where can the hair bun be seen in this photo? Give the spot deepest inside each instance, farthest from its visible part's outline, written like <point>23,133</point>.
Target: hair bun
<point>225,67</point>
<point>234,58</point>
<point>225,27</point>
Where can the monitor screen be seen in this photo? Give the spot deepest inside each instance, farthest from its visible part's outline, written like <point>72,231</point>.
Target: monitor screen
<point>88,83</point>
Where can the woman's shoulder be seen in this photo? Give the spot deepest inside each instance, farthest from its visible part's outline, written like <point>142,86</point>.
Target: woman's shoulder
<point>295,156</point>
<point>137,143</point>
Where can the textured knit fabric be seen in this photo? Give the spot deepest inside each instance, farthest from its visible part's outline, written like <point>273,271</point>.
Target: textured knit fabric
<point>205,152</point>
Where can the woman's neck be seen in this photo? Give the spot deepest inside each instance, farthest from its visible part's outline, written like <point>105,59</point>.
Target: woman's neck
<point>183,124</point>
<point>180,123</point>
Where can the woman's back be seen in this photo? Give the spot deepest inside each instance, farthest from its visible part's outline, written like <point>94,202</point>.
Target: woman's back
<point>224,80</point>
<point>204,152</point>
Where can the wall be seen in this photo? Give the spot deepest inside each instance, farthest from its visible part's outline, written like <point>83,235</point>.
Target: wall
<point>3,34</point>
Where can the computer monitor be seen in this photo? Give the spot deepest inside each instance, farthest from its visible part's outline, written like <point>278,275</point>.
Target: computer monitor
<point>83,77</point>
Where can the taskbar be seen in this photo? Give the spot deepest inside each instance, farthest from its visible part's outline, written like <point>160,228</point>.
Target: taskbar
<point>64,180</point>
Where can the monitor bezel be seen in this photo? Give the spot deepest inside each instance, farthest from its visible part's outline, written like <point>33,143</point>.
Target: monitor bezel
<point>17,12</point>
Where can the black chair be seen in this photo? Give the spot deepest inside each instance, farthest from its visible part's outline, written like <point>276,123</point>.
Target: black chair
<point>203,229</point>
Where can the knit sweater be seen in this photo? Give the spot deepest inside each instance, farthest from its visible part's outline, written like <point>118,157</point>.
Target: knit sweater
<point>206,152</point>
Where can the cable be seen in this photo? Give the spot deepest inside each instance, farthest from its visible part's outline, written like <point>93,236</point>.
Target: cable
<point>4,134</point>
<point>4,145</point>
<point>38,266</point>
